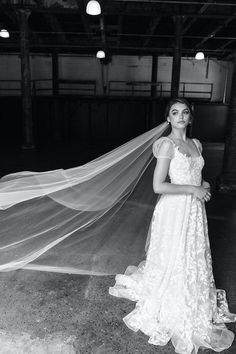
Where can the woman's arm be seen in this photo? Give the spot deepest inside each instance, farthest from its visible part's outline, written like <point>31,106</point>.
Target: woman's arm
<point>160,185</point>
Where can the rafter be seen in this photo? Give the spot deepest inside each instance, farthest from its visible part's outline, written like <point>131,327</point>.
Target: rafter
<point>88,34</point>
<point>152,27</point>
<point>119,29</point>
<point>81,6</point>
<point>228,57</point>
<point>200,12</point>
<point>227,43</point>
<point>217,29</point>
<point>52,22</point>
<point>113,7</point>
<point>181,2</point>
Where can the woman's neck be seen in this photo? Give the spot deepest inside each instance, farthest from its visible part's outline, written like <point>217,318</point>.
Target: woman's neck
<point>178,135</point>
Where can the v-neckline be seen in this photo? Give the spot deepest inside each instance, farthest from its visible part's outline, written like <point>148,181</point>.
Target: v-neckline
<point>184,154</point>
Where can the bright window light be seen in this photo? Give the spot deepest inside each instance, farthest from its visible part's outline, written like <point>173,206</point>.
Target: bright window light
<point>100,54</point>
<point>199,56</point>
<point>4,33</point>
<point>93,8</point>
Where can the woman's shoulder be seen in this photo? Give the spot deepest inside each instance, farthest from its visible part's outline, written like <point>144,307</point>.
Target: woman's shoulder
<point>163,147</point>
<point>164,141</point>
<point>197,143</point>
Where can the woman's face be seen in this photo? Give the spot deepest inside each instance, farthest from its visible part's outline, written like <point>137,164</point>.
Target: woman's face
<point>179,115</point>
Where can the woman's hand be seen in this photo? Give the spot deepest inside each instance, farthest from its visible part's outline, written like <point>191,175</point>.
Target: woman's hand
<point>206,185</point>
<point>202,193</point>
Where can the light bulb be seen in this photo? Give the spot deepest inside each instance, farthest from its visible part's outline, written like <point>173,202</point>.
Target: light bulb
<point>93,8</point>
<point>100,54</point>
<point>4,33</point>
<point>199,56</point>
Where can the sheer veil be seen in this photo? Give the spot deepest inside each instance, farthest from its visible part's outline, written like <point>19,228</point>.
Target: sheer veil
<point>92,219</point>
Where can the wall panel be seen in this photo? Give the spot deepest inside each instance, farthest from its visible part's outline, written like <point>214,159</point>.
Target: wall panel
<point>103,120</point>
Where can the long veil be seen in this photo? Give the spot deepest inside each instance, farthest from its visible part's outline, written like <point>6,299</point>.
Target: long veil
<point>92,219</point>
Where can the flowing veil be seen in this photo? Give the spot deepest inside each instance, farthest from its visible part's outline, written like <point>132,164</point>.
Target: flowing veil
<point>92,219</point>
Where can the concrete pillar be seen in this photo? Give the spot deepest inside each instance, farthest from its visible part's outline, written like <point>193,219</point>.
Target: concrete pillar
<point>56,108</point>
<point>176,66</point>
<point>28,140</point>
<point>153,91</point>
<point>227,180</point>
<point>154,74</point>
<point>55,74</point>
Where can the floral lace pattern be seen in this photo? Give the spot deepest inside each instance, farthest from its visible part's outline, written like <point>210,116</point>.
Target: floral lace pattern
<point>174,288</point>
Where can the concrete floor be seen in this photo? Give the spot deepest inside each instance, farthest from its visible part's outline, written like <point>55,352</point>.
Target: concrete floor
<point>50,313</point>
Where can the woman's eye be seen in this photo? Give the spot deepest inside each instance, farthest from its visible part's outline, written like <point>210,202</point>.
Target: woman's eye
<point>186,112</point>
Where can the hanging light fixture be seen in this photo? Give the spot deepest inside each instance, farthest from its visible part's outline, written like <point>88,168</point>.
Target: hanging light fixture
<point>199,56</point>
<point>93,8</point>
<point>4,33</point>
<point>100,54</point>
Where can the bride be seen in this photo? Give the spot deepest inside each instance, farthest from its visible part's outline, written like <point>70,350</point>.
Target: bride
<point>174,288</point>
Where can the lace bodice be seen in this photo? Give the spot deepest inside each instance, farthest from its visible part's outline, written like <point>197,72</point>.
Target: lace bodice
<point>185,169</point>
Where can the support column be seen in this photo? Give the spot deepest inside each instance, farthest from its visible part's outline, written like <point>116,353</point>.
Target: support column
<point>227,180</point>
<point>153,91</point>
<point>55,75</point>
<point>154,75</point>
<point>28,140</point>
<point>55,89</point>
<point>176,66</point>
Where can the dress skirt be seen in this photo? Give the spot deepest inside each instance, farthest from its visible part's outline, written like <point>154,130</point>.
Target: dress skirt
<point>174,287</point>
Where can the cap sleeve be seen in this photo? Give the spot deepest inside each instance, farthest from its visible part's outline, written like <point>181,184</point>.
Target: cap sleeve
<point>163,148</point>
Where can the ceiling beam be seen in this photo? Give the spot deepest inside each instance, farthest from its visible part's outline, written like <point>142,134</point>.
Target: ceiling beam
<point>71,4</point>
<point>217,29</point>
<point>52,22</point>
<point>76,45</point>
<point>181,2</point>
<point>138,35</point>
<point>200,12</point>
<point>82,6</point>
<point>229,56</point>
<point>114,8</point>
<point>226,44</point>
<point>119,29</point>
<point>152,27</point>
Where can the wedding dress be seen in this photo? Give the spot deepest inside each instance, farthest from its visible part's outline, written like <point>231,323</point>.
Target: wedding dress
<point>174,288</point>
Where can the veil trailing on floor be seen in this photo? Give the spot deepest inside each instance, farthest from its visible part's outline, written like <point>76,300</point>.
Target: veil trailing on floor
<point>92,219</point>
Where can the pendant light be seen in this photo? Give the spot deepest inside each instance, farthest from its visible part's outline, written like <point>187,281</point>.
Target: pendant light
<point>100,54</point>
<point>4,33</point>
<point>93,8</point>
<point>199,56</point>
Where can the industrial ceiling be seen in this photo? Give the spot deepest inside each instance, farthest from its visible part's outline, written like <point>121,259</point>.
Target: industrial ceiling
<point>125,27</point>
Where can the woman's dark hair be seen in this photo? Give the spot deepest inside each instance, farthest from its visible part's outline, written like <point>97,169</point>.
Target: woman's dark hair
<point>178,100</point>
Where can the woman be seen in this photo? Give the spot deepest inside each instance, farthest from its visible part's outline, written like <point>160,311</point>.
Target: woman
<point>174,288</point>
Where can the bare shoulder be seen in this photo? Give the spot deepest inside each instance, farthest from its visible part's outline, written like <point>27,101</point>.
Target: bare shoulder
<point>198,143</point>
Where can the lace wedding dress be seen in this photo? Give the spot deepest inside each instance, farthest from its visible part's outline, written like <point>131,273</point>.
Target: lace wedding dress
<point>174,288</point>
